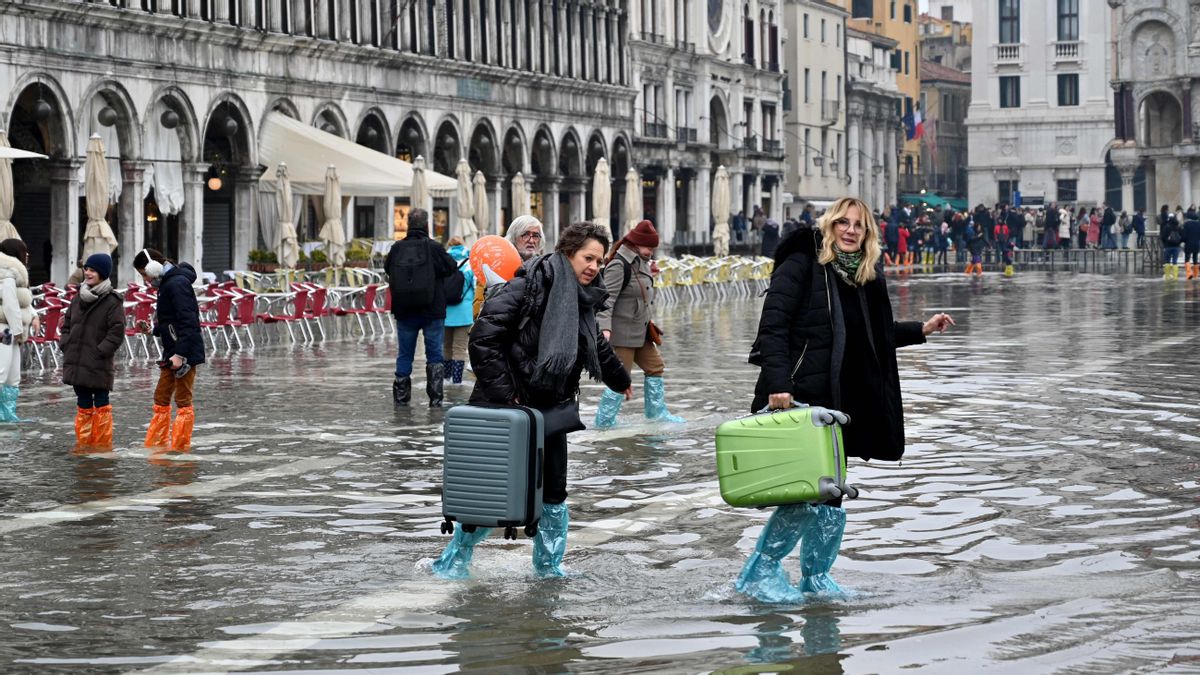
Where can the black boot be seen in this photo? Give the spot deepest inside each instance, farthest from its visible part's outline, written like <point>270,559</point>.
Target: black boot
<point>434,379</point>
<point>401,391</point>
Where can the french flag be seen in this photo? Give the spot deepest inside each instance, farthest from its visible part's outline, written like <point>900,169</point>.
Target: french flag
<point>918,124</point>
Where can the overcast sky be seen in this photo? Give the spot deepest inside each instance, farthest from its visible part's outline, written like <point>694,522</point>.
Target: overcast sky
<point>924,5</point>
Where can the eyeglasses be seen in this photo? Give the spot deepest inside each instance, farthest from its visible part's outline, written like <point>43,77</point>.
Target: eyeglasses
<point>843,224</point>
<point>531,235</point>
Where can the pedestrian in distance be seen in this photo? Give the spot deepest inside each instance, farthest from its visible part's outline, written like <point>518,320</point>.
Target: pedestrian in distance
<point>1093,228</point>
<point>627,322</point>
<point>1002,235</point>
<point>1065,226</point>
<point>770,235</point>
<point>827,307</point>
<point>92,331</point>
<point>460,299</point>
<point>1172,240</point>
<point>1191,245</point>
<point>17,322</point>
<point>1139,227</point>
<point>417,268</point>
<point>177,326</point>
<point>976,244</point>
<point>531,345</point>
<point>1125,228</point>
<point>1108,228</point>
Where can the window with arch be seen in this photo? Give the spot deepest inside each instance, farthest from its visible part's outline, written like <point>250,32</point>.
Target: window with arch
<point>747,35</point>
<point>1010,22</point>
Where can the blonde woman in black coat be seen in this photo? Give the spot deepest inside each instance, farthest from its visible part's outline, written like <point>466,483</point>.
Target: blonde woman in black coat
<point>827,338</point>
<point>93,330</point>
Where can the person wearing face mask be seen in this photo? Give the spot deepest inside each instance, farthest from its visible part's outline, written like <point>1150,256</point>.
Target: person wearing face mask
<point>93,329</point>
<point>826,337</point>
<point>627,323</point>
<point>17,322</point>
<point>178,328</point>
<point>531,344</point>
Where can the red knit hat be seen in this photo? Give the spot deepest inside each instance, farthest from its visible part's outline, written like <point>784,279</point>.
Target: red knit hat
<point>643,234</point>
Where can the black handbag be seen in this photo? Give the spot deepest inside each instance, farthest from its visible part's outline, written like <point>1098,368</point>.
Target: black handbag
<point>562,419</point>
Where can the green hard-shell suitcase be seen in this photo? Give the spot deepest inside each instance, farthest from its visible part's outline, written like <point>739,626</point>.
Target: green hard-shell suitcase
<point>784,457</point>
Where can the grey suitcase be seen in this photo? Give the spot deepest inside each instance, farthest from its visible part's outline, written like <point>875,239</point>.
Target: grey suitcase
<point>492,468</point>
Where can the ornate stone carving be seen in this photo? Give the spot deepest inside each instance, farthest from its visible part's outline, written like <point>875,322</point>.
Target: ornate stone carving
<point>1064,145</point>
<point>1153,51</point>
<point>1007,145</point>
<point>1195,23</point>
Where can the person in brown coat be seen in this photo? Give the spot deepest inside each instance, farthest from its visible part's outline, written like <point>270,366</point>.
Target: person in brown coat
<point>93,330</point>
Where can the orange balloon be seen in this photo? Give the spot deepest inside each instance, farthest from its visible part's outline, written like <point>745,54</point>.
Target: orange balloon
<point>497,253</point>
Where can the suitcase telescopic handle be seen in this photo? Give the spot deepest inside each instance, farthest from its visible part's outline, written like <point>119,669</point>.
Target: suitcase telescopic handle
<point>821,416</point>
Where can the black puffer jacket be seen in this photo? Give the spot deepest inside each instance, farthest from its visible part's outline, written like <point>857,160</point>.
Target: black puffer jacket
<point>178,320</point>
<point>801,343</point>
<point>504,344</point>
<point>90,336</point>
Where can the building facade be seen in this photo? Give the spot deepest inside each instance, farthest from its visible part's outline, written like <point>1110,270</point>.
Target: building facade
<point>950,10</point>
<point>946,43</point>
<point>816,121</point>
<point>897,20</point>
<point>1041,115</point>
<point>180,92</point>
<point>874,132</point>
<point>945,94</point>
<point>1157,63</point>
<point>708,89</point>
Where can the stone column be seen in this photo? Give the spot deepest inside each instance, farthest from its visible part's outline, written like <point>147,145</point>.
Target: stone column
<point>878,185</point>
<point>756,194</point>
<point>891,174</point>
<point>1152,203</point>
<point>853,155</point>
<point>1127,173</point>
<point>495,190</point>
<point>133,220</point>
<point>245,215</point>
<point>1185,182</point>
<point>221,11</point>
<point>191,217</point>
<point>703,216</point>
<point>64,217</point>
<point>384,206</point>
<point>669,214</point>
<point>550,218</point>
<point>275,16</point>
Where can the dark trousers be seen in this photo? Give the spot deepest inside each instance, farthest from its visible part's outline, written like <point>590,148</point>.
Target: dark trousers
<point>91,398</point>
<point>407,331</point>
<point>554,470</point>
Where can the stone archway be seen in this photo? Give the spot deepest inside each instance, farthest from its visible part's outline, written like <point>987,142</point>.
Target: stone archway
<point>372,217</point>
<point>412,140</point>
<point>229,184</point>
<point>172,145</point>
<point>1160,118</point>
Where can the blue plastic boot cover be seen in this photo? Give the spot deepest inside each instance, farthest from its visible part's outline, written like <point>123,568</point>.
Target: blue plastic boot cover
<point>8,403</point>
<point>820,549</point>
<point>610,406</point>
<point>550,544</point>
<point>656,401</point>
<point>763,578</point>
<point>455,562</point>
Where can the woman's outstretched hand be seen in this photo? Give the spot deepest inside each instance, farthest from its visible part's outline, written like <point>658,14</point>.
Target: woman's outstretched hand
<point>938,323</point>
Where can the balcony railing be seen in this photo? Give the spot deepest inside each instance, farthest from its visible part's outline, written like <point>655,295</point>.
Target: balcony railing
<point>772,147</point>
<point>830,109</point>
<point>685,134</point>
<point>654,130</point>
<point>1010,53</point>
<point>653,37</point>
<point>683,46</point>
<point>1068,51</point>
<point>750,143</point>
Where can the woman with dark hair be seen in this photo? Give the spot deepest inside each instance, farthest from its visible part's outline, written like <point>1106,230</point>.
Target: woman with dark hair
<point>17,322</point>
<point>827,338</point>
<point>177,325</point>
<point>93,330</point>
<point>530,346</point>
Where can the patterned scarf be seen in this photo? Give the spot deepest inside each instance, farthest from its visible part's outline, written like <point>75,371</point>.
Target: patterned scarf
<point>846,265</point>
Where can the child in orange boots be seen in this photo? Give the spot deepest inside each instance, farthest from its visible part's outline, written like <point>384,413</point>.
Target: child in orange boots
<point>93,329</point>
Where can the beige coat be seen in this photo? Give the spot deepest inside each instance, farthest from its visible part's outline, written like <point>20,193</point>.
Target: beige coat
<point>629,312</point>
<point>16,300</point>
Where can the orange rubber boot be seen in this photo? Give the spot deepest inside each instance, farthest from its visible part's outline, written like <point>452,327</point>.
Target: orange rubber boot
<point>102,428</point>
<point>970,266</point>
<point>1191,270</point>
<point>84,423</point>
<point>181,431</point>
<point>157,436</point>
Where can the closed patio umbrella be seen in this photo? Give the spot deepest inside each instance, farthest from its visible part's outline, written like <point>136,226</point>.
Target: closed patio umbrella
<point>98,237</point>
<point>287,246</point>
<point>333,233</point>
<point>481,210</point>
<point>420,188</point>
<point>601,194</point>
<point>720,212</point>
<point>633,200</point>
<point>520,196</point>
<point>7,231</point>
<point>464,223</point>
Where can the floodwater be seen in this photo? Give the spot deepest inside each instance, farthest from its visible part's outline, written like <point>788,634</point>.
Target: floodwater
<point>1046,517</point>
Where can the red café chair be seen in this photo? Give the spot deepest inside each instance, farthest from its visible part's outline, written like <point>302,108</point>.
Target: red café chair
<point>220,310</point>
<point>243,316</point>
<point>299,298</point>
<point>368,301</point>
<point>51,320</point>
<point>141,310</point>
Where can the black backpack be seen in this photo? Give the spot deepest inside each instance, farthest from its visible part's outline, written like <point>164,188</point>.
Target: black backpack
<point>456,285</point>
<point>1173,236</point>
<point>411,278</point>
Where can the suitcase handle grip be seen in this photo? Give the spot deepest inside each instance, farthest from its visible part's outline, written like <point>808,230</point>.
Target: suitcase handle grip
<point>821,416</point>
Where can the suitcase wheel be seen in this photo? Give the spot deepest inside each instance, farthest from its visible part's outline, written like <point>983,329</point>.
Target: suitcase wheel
<point>531,530</point>
<point>851,492</point>
<point>447,527</point>
<point>510,533</point>
<point>468,528</point>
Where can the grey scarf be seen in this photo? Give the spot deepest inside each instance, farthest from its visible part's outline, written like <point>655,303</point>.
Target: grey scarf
<point>569,314</point>
<point>90,294</point>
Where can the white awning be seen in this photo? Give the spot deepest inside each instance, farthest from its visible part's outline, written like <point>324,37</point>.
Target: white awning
<point>364,172</point>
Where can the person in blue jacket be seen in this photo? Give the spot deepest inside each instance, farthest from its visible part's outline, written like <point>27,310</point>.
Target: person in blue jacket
<point>459,314</point>
<point>177,326</point>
